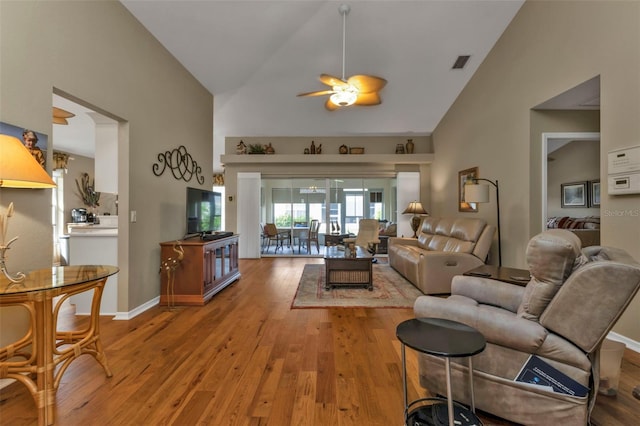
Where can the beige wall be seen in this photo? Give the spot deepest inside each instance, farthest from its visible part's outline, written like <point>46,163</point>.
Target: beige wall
<point>538,57</point>
<point>97,52</point>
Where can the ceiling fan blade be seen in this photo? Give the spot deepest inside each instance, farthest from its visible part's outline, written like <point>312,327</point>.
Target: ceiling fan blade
<point>366,99</point>
<point>330,80</point>
<point>367,83</point>
<point>60,120</point>
<point>319,93</point>
<point>60,113</point>
<point>330,105</point>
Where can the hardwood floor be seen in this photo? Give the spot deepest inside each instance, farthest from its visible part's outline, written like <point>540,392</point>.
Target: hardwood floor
<point>246,358</point>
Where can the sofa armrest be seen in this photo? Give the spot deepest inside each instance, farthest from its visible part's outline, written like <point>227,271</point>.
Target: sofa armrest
<point>488,291</point>
<point>597,294</point>
<point>497,325</point>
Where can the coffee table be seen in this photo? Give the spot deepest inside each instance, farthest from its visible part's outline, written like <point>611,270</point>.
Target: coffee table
<point>348,271</point>
<point>443,338</point>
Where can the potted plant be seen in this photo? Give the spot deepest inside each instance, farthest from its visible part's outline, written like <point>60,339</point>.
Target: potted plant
<point>88,194</point>
<point>255,148</point>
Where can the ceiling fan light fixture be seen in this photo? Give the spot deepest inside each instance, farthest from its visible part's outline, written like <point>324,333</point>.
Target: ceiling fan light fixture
<point>344,96</point>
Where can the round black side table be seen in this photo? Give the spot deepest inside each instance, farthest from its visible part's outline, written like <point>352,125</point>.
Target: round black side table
<point>443,338</point>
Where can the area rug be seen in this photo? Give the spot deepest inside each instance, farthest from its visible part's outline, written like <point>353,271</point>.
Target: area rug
<point>390,290</point>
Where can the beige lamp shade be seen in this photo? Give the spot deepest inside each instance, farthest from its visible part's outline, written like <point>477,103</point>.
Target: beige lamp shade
<point>18,168</point>
<point>476,193</point>
<point>415,207</point>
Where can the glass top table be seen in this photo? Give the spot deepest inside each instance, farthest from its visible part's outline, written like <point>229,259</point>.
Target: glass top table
<point>56,278</point>
<point>39,358</point>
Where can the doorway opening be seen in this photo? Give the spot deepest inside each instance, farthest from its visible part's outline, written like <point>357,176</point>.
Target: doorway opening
<point>571,161</point>
<point>336,204</point>
<point>86,230</point>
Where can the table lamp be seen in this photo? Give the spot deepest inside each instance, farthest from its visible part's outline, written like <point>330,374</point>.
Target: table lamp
<point>18,169</point>
<point>475,192</point>
<point>415,208</point>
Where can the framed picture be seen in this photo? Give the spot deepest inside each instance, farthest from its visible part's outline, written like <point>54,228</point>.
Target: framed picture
<point>574,194</point>
<point>594,193</point>
<point>35,142</point>
<point>463,177</point>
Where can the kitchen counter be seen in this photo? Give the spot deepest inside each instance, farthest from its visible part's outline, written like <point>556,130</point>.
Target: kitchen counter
<point>91,244</point>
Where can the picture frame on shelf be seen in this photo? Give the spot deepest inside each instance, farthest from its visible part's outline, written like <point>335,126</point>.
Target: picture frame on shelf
<point>594,193</point>
<point>463,177</point>
<point>574,194</point>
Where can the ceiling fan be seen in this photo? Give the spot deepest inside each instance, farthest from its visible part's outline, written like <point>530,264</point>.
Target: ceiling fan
<point>358,89</point>
<point>60,116</point>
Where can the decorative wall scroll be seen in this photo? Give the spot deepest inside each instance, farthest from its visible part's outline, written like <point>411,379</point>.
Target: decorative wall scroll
<point>181,164</point>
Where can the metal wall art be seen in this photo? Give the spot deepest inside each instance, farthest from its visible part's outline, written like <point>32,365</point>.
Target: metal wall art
<point>181,164</point>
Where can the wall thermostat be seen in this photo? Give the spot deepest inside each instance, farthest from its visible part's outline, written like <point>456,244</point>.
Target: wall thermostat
<point>624,171</point>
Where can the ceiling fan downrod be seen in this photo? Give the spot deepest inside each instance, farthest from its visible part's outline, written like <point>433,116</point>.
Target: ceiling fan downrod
<point>344,11</point>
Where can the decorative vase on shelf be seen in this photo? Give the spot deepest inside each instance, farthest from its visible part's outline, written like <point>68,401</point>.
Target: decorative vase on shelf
<point>269,149</point>
<point>410,146</point>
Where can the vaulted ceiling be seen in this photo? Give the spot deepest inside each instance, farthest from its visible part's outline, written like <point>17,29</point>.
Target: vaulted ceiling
<point>256,56</point>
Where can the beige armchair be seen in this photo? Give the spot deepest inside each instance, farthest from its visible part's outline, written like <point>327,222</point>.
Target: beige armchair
<point>562,316</point>
<point>367,237</point>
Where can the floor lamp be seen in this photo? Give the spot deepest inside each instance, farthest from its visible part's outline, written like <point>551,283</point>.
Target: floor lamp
<point>18,169</point>
<point>415,208</point>
<point>479,193</point>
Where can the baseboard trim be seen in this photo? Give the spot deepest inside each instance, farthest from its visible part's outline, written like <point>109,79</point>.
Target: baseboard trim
<point>631,344</point>
<point>125,316</point>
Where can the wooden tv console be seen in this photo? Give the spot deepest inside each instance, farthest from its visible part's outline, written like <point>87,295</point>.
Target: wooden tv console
<point>206,268</point>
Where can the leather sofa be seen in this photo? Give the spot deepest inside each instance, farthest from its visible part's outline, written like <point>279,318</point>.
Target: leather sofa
<point>574,298</point>
<point>445,247</point>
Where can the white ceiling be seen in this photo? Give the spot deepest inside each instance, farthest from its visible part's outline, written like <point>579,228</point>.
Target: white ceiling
<point>255,56</point>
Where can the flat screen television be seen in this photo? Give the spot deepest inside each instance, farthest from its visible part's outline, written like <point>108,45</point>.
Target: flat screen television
<point>204,211</point>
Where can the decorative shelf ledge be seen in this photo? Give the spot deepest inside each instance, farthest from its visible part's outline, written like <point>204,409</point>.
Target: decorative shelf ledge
<point>328,158</point>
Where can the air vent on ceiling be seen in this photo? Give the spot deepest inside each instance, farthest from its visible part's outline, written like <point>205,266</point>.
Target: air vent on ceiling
<point>460,62</point>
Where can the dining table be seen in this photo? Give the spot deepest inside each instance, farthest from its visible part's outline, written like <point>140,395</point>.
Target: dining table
<point>40,357</point>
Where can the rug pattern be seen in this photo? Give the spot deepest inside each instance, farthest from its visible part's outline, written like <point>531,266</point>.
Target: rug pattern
<point>390,290</point>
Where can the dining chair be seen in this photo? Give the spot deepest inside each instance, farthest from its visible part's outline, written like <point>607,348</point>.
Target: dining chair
<point>278,236</point>
<point>306,238</point>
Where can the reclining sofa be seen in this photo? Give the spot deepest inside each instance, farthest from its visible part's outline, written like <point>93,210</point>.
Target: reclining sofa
<point>444,248</point>
<point>562,316</point>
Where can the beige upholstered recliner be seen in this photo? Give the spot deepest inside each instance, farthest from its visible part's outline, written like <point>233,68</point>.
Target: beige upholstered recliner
<point>562,316</point>
<point>367,238</point>
<point>445,247</point>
